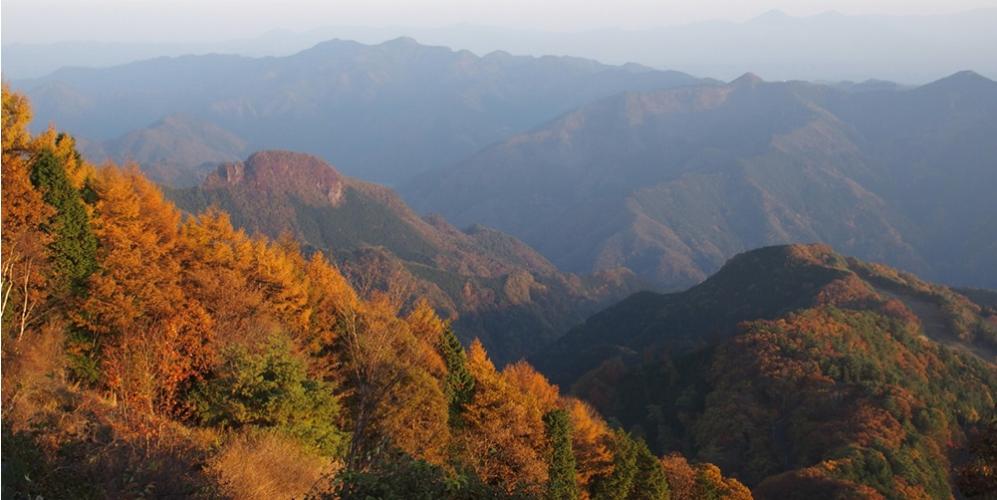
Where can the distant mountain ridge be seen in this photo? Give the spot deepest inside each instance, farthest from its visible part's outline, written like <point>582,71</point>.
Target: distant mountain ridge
<point>383,112</point>
<point>495,286</point>
<point>670,183</point>
<point>178,150</point>
<point>909,49</point>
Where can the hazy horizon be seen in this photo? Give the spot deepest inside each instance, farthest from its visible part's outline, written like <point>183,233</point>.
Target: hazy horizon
<point>155,21</point>
<point>815,41</point>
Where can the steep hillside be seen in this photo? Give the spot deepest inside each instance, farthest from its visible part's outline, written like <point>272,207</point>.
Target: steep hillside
<point>383,112</point>
<point>495,286</point>
<point>671,183</point>
<point>798,370</point>
<point>151,355</point>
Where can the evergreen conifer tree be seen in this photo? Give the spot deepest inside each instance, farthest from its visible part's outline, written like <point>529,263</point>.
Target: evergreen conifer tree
<point>562,483</point>
<point>459,381</point>
<point>74,246</point>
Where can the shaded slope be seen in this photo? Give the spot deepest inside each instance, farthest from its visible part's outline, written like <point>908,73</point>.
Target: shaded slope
<point>796,370</point>
<point>671,183</point>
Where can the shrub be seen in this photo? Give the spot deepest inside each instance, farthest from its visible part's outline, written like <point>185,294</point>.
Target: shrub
<point>271,389</point>
<point>397,476</point>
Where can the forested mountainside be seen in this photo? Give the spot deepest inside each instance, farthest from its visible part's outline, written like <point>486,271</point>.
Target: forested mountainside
<point>670,183</point>
<point>804,373</point>
<point>381,112</point>
<point>148,354</point>
<point>491,285</point>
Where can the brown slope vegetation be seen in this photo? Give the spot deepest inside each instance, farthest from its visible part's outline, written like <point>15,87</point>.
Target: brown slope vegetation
<point>496,287</point>
<point>671,183</point>
<point>801,371</point>
<point>148,354</point>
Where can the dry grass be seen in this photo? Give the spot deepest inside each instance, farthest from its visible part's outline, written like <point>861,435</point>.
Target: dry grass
<point>33,382</point>
<point>266,465</point>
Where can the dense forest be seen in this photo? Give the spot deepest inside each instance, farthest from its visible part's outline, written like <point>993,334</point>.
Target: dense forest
<point>151,354</point>
<point>803,373</point>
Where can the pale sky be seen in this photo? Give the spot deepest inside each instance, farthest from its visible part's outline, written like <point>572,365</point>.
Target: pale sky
<point>203,20</point>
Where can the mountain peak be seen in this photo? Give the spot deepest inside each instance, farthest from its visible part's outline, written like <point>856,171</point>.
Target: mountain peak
<point>772,15</point>
<point>961,81</point>
<point>748,78</point>
<point>966,76</point>
<point>791,255</point>
<point>402,41</point>
<point>307,177</point>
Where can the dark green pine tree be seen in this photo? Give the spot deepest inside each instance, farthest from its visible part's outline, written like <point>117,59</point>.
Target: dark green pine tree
<point>562,481</point>
<point>74,246</point>
<point>459,383</point>
<point>617,485</point>
<point>650,482</point>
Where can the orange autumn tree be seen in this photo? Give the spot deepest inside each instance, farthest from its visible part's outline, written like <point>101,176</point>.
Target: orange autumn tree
<point>591,437</point>
<point>414,414</point>
<point>329,295</point>
<point>691,482</point>
<point>591,440</point>
<point>503,438</point>
<point>24,277</point>
<point>524,379</point>
<point>218,267</point>
<point>512,455</point>
<point>148,334</point>
<point>396,402</point>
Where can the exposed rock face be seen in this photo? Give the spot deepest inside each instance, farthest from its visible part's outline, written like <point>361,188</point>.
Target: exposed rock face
<point>306,177</point>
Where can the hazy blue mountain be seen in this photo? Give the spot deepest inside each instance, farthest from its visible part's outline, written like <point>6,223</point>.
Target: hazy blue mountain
<point>829,46</point>
<point>671,183</point>
<point>176,151</point>
<point>383,112</point>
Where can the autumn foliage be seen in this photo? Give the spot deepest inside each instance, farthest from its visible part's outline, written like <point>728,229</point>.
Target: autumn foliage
<point>149,352</point>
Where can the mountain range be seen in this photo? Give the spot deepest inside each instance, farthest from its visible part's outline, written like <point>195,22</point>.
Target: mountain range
<point>670,183</point>
<point>805,373</point>
<point>559,191</point>
<point>597,167</point>
<point>383,112</point>
<point>491,285</point>
<point>829,46</point>
<point>178,150</point>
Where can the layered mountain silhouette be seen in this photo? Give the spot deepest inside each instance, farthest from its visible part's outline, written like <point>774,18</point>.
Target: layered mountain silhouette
<point>177,151</point>
<point>801,371</point>
<point>494,286</point>
<point>670,183</point>
<point>824,46</point>
<point>383,112</point>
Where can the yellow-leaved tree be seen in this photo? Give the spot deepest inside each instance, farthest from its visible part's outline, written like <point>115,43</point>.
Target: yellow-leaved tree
<point>503,438</point>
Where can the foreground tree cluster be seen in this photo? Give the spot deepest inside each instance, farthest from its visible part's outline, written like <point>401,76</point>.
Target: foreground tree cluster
<point>148,353</point>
